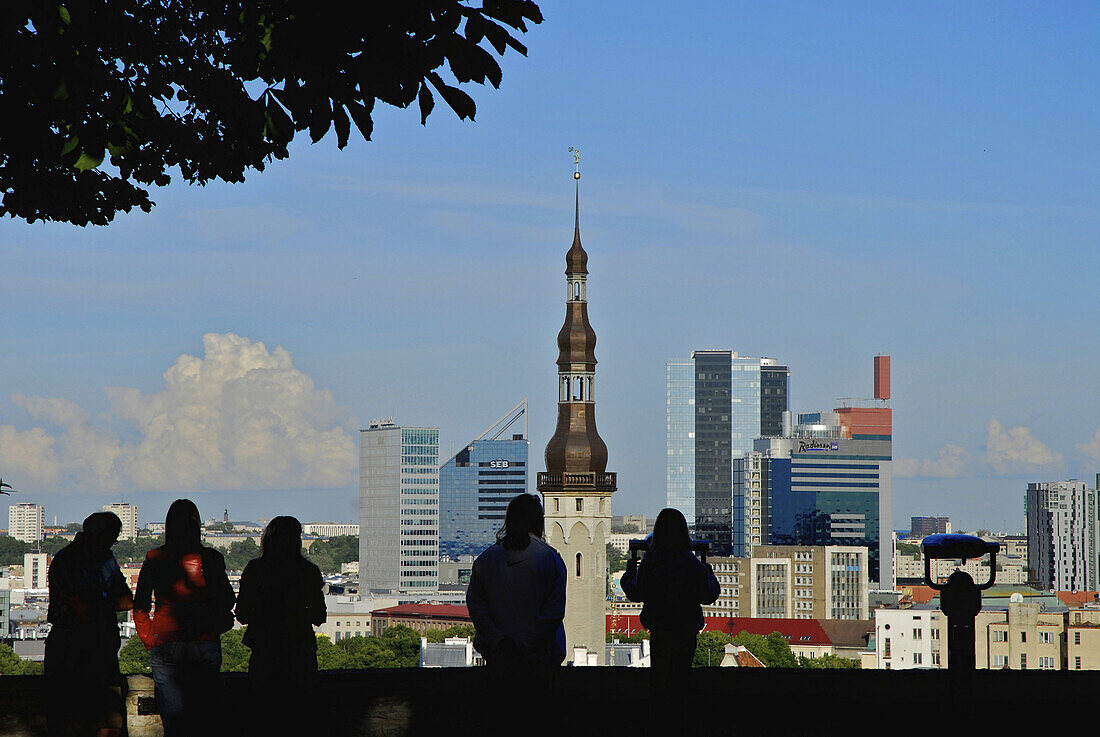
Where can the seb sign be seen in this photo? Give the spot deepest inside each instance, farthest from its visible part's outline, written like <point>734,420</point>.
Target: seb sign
<point>498,464</point>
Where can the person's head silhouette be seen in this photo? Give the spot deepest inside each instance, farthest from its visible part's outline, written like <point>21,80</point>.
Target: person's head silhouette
<point>670,532</point>
<point>182,527</point>
<point>101,530</point>
<point>282,538</point>
<point>522,520</point>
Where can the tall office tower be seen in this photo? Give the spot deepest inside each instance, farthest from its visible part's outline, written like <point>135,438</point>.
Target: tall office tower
<point>576,487</point>
<point>398,508</point>
<point>476,485</point>
<point>830,482</point>
<point>128,513</point>
<point>718,404</point>
<point>26,521</point>
<point>924,526</point>
<point>1058,540</point>
<point>750,503</point>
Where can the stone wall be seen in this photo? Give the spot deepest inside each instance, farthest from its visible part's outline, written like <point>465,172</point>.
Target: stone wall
<point>602,701</point>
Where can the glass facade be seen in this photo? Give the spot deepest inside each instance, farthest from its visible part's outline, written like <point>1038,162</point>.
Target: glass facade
<point>829,494</point>
<point>715,411</point>
<point>680,413</point>
<point>475,487</point>
<point>419,508</point>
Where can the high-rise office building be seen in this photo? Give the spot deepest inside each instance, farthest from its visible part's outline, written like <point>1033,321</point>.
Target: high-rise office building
<point>718,404</point>
<point>398,508</point>
<point>576,487</point>
<point>1060,550</point>
<point>830,482</point>
<point>128,513</point>
<point>26,521</point>
<point>477,483</point>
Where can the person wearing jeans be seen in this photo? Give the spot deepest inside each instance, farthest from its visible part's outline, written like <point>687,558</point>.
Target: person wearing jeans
<point>182,605</point>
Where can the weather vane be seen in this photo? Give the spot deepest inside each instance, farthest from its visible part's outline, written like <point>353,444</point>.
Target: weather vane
<point>576,160</point>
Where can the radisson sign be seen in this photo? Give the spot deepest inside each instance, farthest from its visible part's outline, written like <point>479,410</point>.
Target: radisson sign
<point>813,446</point>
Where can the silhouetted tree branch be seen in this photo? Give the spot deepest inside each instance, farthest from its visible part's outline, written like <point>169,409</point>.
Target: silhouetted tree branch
<point>99,100</point>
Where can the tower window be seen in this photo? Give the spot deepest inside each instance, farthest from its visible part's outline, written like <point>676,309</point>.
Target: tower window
<point>578,565</point>
<point>580,505</point>
<point>557,507</point>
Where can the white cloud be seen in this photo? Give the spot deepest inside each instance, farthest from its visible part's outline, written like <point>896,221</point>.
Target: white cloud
<point>27,457</point>
<point>241,416</point>
<point>952,461</point>
<point>1092,447</point>
<point>1015,449</point>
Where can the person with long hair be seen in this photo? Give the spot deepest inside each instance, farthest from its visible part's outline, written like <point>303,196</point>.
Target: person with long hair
<point>516,600</point>
<point>86,590</point>
<point>182,606</point>
<point>281,598</point>
<point>671,583</point>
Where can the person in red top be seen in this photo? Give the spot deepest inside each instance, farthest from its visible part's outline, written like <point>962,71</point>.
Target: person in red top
<point>182,605</point>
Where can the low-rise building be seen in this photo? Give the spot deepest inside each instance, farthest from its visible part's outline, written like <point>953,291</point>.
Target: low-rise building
<point>453,652</point>
<point>420,617</point>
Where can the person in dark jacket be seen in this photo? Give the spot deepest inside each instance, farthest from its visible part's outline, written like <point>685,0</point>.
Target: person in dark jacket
<point>281,598</point>
<point>193,607</point>
<point>671,583</point>
<point>86,591</point>
<point>516,600</point>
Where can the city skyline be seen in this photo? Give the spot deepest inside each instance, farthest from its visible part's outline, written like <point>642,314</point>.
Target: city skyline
<point>819,186</point>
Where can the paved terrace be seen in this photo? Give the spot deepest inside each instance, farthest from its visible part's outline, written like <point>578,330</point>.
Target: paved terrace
<point>610,701</point>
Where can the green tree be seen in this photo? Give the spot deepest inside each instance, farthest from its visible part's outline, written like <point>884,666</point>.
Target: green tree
<point>632,639</point>
<point>133,658</point>
<point>330,657</point>
<point>405,643</point>
<point>616,561</point>
<point>772,650</point>
<point>52,544</point>
<point>133,551</point>
<point>372,652</point>
<point>235,654</point>
<point>239,553</point>
<point>10,664</point>
<point>213,89</point>
<point>11,551</point>
<point>333,552</point>
<point>710,648</point>
<point>828,661</point>
<point>456,630</point>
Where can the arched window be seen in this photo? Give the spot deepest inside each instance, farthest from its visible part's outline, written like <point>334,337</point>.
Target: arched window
<point>578,565</point>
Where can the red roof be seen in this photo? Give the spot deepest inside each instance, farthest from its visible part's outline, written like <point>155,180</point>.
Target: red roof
<point>1076,598</point>
<point>795,631</point>
<point>425,611</point>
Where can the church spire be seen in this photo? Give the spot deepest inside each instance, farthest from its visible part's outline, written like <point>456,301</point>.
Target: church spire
<point>576,487</point>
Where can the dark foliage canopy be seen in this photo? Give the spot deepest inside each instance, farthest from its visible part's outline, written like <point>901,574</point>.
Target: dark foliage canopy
<point>214,88</point>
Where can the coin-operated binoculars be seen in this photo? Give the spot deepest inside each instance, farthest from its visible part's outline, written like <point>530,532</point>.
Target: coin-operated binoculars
<point>960,599</point>
<point>699,547</point>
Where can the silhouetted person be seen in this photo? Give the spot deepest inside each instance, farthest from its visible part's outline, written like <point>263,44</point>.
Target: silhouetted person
<point>281,598</point>
<point>516,600</point>
<point>86,590</point>
<point>193,606</point>
<point>672,583</point>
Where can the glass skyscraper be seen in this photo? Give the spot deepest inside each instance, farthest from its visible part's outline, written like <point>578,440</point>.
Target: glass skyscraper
<point>475,487</point>
<point>398,508</point>
<point>717,406</point>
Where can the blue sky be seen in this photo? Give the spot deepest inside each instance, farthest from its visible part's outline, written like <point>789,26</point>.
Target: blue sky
<point>813,182</point>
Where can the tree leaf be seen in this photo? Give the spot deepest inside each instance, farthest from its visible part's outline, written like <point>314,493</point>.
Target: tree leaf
<point>342,125</point>
<point>427,102</point>
<point>89,160</point>
<point>360,113</point>
<point>459,101</point>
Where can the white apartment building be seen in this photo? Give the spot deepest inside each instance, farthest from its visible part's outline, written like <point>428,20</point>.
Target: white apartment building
<point>35,569</point>
<point>330,529</point>
<point>26,521</point>
<point>399,508</point>
<point>128,513</point>
<point>910,638</point>
<point>912,567</point>
<point>1061,548</point>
